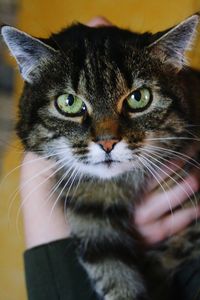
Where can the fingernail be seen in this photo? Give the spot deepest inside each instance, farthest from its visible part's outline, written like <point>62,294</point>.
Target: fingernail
<point>98,21</point>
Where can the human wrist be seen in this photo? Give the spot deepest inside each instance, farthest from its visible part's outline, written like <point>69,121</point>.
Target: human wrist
<point>44,221</point>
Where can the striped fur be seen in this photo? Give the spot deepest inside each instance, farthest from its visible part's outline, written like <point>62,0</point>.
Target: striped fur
<point>103,66</point>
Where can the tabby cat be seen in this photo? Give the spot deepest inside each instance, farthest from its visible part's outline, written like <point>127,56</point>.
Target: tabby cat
<point>111,107</point>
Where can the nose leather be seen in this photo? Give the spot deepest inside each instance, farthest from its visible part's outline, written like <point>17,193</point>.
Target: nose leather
<point>107,145</point>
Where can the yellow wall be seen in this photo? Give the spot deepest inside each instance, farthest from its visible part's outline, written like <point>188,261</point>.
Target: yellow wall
<point>40,17</point>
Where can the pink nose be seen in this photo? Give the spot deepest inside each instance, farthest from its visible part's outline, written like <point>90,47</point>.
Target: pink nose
<point>108,145</point>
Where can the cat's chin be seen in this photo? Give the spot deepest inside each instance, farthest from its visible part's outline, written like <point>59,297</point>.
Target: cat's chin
<point>107,169</point>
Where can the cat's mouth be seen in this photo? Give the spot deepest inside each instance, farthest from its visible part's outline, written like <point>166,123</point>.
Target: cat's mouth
<point>106,168</point>
<point>107,162</point>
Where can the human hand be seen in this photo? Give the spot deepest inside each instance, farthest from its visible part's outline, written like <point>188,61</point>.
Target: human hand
<point>161,213</point>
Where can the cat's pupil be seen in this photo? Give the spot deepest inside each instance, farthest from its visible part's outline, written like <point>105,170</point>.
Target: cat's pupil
<point>70,100</point>
<point>137,95</point>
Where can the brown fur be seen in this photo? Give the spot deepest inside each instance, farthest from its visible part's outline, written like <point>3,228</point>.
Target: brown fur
<point>104,67</point>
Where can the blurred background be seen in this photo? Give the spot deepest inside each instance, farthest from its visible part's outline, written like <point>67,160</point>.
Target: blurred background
<point>40,18</point>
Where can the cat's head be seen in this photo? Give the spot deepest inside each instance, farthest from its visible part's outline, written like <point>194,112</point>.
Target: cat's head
<point>101,99</point>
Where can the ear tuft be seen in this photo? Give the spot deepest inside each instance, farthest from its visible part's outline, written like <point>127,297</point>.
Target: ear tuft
<point>171,46</point>
<point>28,51</point>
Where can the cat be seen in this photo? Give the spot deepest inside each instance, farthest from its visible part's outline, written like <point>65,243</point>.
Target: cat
<point>103,103</point>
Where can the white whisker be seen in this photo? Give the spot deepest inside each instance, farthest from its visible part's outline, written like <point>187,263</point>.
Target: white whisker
<point>41,183</point>
<point>180,155</point>
<point>173,138</point>
<point>155,174</point>
<point>18,189</point>
<point>66,197</point>
<point>180,177</point>
<point>175,181</point>
<point>65,185</point>
<point>27,163</point>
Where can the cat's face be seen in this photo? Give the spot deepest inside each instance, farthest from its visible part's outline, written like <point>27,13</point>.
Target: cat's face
<point>100,100</point>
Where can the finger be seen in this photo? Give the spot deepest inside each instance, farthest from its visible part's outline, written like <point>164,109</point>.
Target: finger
<point>168,226</point>
<point>161,203</point>
<point>98,21</point>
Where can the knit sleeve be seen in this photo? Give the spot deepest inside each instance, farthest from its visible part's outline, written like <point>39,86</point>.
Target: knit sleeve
<point>52,271</point>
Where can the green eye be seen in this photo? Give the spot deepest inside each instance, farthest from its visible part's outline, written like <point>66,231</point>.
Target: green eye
<point>139,100</point>
<point>70,105</point>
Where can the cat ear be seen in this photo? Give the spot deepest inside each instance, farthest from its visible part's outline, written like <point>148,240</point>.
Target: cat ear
<point>29,52</point>
<point>171,46</point>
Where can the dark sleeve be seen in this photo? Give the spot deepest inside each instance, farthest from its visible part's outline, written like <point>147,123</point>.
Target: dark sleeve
<point>52,271</point>
<point>186,283</point>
